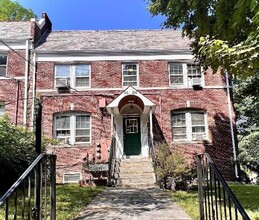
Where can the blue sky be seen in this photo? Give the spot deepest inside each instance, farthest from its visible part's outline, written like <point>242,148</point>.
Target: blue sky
<point>96,14</point>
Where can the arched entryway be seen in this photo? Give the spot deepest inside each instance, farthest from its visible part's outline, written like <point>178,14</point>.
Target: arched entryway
<point>131,112</point>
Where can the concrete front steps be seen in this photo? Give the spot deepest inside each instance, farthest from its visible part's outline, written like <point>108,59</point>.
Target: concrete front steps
<point>136,173</point>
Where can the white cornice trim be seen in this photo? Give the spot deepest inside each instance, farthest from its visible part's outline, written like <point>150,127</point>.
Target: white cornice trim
<point>55,58</point>
<point>122,89</point>
<point>15,46</point>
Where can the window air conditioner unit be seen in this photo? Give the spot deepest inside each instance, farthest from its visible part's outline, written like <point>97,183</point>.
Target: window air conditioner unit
<point>62,83</point>
<point>198,137</point>
<point>196,82</point>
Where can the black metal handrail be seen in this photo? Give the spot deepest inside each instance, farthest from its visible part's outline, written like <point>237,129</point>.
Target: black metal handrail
<point>33,195</point>
<point>216,199</point>
<point>111,162</point>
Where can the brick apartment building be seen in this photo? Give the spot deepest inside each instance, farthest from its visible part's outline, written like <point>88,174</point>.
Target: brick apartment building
<point>140,86</point>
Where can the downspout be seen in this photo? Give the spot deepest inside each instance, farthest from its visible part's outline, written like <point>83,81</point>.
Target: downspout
<point>33,90</point>
<point>231,125</point>
<point>26,84</point>
<point>17,101</point>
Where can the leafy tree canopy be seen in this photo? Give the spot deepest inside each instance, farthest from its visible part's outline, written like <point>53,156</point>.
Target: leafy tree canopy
<point>225,33</point>
<point>12,10</point>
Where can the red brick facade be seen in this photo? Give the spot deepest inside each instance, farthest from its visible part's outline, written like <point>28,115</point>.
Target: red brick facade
<point>106,82</point>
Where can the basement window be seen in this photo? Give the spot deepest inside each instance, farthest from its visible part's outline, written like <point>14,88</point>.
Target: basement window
<point>72,177</point>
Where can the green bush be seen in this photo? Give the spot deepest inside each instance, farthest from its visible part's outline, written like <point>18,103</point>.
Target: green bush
<point>17,150</point>
<point>170,166</point>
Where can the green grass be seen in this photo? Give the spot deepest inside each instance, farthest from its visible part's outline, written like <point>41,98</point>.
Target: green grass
<point>71,199</point>
<point>248,196</point>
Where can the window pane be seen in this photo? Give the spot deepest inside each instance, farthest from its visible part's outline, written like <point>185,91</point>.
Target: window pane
<point>82,121</point>
<point>3,63</point>
<point>82,132</point>
<point>82,139</point>
<point>198,129</point>
<point>82,70</point>
<point>194,70</point>
<point>198,119</point>
<point>63,71</point>
<point>178,120</point>
<point>176,69</point>
<point>176,79</point>
<point>130,78</point>
<point>3,59</point>
<point>81,82</point>
<point>63,122</point>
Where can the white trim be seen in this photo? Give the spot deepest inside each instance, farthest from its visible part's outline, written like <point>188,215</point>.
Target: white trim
<point>71,173</point>
<point>26,74</point>
<point>15,46</point>
<point>140,88</point>
<point>67,58</point>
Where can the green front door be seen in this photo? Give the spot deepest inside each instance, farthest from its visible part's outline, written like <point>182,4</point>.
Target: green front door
<point>131,136</point>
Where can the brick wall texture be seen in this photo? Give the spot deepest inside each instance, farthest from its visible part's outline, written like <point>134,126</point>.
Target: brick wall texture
<point>106,82</point>
<point>152,74</point>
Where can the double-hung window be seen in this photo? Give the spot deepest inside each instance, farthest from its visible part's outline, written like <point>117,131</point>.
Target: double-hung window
<point>129,75</point>
<point>77,76</point>
<point>185,75</point>
<point>3,65</point>
<point>189,126</point>
<point>2,108</point>
<point>73,128</point>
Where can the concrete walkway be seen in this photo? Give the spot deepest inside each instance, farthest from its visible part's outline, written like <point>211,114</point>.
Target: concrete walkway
<point>131,203</point>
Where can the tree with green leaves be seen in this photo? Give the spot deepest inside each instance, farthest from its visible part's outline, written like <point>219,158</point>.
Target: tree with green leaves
<point>225,33</point>
<point>12,10</point>
<point>17,151</point>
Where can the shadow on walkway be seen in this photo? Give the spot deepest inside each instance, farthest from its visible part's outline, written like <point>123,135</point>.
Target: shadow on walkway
<point>129,203</point>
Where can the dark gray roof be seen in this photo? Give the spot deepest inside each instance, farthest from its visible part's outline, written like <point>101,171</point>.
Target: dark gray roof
<point>114,40</point>
<point>15,30</point>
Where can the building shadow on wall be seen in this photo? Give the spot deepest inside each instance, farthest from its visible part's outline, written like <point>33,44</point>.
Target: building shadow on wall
<point>158,136</point>
<point>220,148</point>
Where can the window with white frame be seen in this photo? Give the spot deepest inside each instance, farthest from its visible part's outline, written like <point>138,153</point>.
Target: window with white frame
<point>2,108</point>
<point>3,65</point>
<point>72,76</point>
<point>73,128</point>
<point>129,75</point>
<point>189,126</point>
<point>185,75</point>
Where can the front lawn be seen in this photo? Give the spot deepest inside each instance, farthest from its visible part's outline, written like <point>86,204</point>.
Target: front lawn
<point>71,199</point>
<point>248,196</point>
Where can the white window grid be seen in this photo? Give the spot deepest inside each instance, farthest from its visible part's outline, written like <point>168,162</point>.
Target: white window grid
<point>130,74</point>
<point>73,74</point>
<point>3,65</point>
<point>181,74</point>
<point>189,134</point>
<point>69,135</point>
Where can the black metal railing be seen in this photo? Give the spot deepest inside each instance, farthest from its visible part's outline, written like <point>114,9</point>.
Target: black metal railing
<point>112,162</point>
<point>216,199</point>
<point>33,195</point>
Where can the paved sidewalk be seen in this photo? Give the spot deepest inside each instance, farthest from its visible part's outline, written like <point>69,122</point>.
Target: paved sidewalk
<point>130,203</point>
